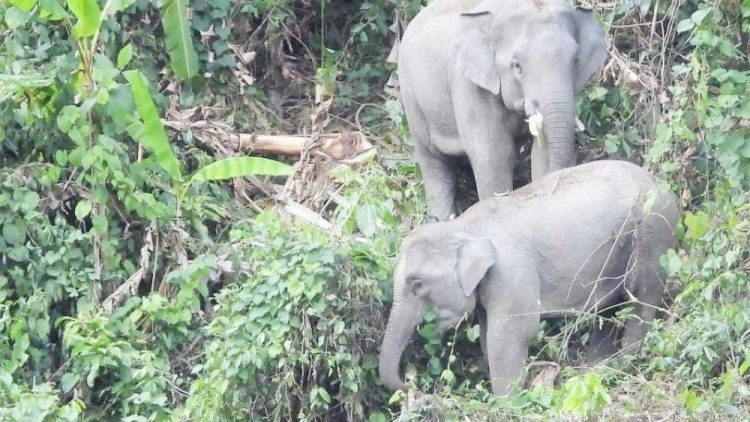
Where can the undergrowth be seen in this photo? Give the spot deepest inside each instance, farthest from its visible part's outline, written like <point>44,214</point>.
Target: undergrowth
<point>141,281</point>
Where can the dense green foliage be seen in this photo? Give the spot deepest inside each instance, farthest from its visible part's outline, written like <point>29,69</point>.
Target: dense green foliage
<point>142,280</point>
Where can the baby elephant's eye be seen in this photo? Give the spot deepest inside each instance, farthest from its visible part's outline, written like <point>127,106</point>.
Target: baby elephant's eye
<point>416,285</point>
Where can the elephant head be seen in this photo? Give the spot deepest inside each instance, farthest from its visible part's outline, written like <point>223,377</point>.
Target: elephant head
<point>442,275</point>
<point>534,55</point>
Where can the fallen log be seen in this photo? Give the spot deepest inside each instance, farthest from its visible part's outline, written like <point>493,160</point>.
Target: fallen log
<point>347,146</point>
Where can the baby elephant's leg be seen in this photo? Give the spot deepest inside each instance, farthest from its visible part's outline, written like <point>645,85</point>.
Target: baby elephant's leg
<point>603,340</point>
<point>645,283</point>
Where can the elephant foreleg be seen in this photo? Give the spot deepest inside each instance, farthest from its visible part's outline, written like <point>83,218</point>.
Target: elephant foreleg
<point>493,169</point>
<point>487,130</point>
<point>602,341</point>
<point>507,348</point>
<point>636,327</point>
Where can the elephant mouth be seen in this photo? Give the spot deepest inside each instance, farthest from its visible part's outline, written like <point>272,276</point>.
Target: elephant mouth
<point>445,323</point>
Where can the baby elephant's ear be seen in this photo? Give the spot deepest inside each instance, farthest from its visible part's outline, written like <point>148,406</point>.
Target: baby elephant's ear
<point>473,259</point>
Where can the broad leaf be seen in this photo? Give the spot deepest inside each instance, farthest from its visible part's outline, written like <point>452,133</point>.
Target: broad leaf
<point>83,209</point>
<point>14,234</point>
<point>153,136</point>
<point>124,56</point>
<point>53,10</point>
<point>177,28</point>
<point>367,219</point>
<point>25,5</point>
<point>242,166</point>
<point>119,5</point>
<point>89,17</point>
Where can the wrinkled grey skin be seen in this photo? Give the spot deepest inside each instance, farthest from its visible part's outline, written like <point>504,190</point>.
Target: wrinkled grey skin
<point>470,71</point>
<point>581,239</point>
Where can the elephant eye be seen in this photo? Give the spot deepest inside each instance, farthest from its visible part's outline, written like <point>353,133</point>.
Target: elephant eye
<point>416,284</point>
<point>516,65</point>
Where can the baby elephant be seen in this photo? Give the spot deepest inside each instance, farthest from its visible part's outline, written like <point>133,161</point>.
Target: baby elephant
<point>581,239</point>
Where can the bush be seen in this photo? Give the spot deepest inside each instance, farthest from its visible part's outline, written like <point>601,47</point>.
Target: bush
<point>145,278</point>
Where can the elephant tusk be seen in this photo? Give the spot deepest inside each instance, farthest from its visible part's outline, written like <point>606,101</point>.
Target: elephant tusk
<point>536,129</point>
<point>579,125</point>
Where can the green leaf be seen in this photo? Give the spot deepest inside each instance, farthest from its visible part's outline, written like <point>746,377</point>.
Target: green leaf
<point>153,136</point>
<point>124,56</point>
<point>53,10</point>
<point>448,376</point>
<point>684,26</point>
<point>25,5</point>
<point>648,204</point>
<point>100,223</point>
<point>93,371</point>
<point>378,417</point>
<point>430,333</point>
<point>42,328</point>
<point>610,146</point>
<point>89,17</point>
<point>473,333</point>
<point>367,218</point>
<point>69,381</point>
<point>691,400</point>
<point>697,224</point>
<point>83,209</point>
<point>15,18</point>
<point>6,379</point>
<point>744,366</point>
<point>242,166</point>
<point>397,397</point>
<point>14,234</point>
<point>31,200</point>
<point>699,15</point>
<point>119,5</point>
<point>671,262</point>
<point>177,28</point>
<point>598,93</point>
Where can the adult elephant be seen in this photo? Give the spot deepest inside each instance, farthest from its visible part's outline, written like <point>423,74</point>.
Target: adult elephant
<point>583,239</point>
<point>471,70</point>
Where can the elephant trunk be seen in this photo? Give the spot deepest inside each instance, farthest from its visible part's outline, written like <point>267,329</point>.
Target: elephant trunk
<point>556,104</point>
<point>401,324</point>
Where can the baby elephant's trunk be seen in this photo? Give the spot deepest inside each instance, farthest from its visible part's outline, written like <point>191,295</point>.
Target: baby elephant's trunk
<point>401,324</point>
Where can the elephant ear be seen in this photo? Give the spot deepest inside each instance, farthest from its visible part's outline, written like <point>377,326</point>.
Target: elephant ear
<point>591,46</point>
<point>473,259</point>
<point>472,53</point>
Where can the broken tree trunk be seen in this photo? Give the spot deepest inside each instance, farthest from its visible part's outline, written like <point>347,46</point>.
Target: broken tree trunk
<point>337,146</point>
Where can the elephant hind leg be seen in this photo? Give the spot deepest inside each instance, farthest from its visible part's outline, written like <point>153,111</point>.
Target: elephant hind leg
<point>439,182</point>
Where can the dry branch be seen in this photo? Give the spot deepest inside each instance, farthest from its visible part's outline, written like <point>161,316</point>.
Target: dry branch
<point>130,286</point>
<point>307,214</point>
<point>305,194</point>
<point>347,147</point>
<point>344,146</point>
